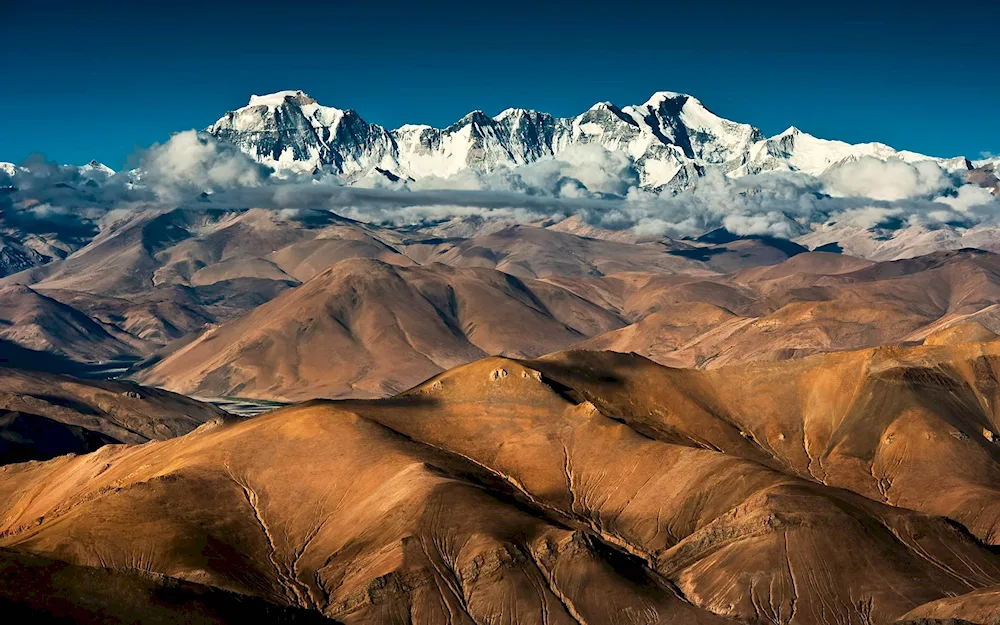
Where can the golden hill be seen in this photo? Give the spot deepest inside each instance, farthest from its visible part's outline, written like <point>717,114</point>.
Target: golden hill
<point>579,488</point>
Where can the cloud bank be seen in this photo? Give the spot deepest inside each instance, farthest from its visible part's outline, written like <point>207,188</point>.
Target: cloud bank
<point>196,170</point>
<point>886,180</point>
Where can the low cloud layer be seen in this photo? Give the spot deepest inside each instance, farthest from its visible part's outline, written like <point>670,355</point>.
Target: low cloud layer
<point>600,186</point>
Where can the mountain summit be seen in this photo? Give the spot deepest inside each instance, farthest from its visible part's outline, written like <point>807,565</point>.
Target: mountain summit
<point>672,138</point>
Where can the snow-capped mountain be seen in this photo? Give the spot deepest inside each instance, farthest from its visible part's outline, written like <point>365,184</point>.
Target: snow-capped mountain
<point>96,169</point>
<point>93,169</point>
<point>672,138</point>
<point>794,150</point>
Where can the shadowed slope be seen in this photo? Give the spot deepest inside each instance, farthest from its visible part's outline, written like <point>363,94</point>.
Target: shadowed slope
<point>38,590</point>
<point>117,411</point>
<point>25,437</point>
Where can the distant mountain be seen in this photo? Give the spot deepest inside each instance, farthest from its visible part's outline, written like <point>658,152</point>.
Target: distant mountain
<point>183,293</point>
<point>389,326</point>
<point>16,255</point>
<point>41,323</point>
<point>36,230</point>
<point>93,169</point>
<point>672,138</point>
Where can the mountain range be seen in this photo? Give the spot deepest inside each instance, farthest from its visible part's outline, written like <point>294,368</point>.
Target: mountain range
<point>636,157</point>
<point>672,138</point>
<point>520,404</point>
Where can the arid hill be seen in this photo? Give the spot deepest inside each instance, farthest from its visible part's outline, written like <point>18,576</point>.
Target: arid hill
<point>305,303</point>
<point>882,422</point>
<point>812,303</point>
<point>978,607</point>
<point>582,487</point>
<point>366,328</point>
<point>43,415</point>
<point>40,323</point>
<point>532,252</point>
<point>156,276</point>
<point>154,279</point>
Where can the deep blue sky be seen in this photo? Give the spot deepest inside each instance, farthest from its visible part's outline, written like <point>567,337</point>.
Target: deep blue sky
<point>88,80</point>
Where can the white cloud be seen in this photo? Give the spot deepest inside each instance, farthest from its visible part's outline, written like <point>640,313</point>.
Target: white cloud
<point>868,216</point>
<point>582,171</point>
<point>966,197</point>
<point>885,180</point>
<point>192,162</point>
<point>587,180</point>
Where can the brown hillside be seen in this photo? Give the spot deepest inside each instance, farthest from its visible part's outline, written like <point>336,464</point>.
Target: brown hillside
<point>507,491</point>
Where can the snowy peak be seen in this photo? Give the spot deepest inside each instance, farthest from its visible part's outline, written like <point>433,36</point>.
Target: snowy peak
<point>276,110</point>
<point>683,121</point>
<point>672,138</point>
<point>289,131</point>
<point>475,118</point>
<point>795,150</point>
<point>280,97</point>
<point>514,114</point>
<point>97,168</point>
<point>659,97</point>
<point>603,106</point>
